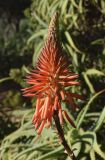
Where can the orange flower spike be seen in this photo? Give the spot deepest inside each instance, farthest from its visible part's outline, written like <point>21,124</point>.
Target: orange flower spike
<point>46,108</point>
<point>69,119</point>
<point>74,95</point>
<point>62,93</point>
<point>38,105</point>
<point>71,102</point>
<point>56,100</point>
<point>60,113</point>
<point>37,123</point>
<point>41,127</point>
<point>50,115</point>
<point>50,79</point>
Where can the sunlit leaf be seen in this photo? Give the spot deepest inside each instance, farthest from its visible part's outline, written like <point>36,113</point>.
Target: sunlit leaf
<point>99,122</point>
<point>85,109</point>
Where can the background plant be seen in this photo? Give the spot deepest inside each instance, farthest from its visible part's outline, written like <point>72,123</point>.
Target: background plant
<point>82,29</point>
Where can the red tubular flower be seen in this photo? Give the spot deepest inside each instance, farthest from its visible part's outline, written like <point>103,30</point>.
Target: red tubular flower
<point>49,81</point>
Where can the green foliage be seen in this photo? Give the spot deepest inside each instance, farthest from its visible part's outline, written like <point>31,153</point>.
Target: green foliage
<point>13,99</point>
<point>82,30</point>
<point>25,144</point>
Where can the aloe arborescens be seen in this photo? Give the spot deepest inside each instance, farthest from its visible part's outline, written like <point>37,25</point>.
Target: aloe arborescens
<point>49,81</point>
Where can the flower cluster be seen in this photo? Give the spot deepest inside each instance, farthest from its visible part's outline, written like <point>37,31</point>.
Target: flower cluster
<point>49,81</point>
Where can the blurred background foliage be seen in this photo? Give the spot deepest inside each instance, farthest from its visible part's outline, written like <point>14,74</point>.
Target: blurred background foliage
<point>23,29</point>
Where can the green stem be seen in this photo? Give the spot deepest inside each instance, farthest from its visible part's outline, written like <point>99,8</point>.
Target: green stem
<point>61,136</point>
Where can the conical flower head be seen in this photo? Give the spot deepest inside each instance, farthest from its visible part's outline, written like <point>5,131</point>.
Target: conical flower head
<point>50,79</point>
